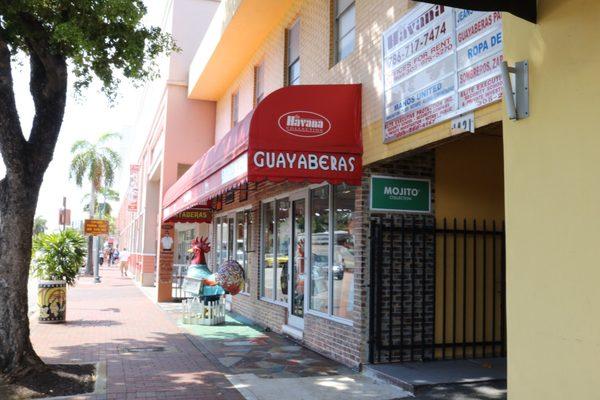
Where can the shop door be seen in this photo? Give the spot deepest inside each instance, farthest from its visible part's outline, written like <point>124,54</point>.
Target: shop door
<point>297,264</point>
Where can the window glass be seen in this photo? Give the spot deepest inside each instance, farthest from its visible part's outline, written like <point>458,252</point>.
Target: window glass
<point>343,251</point>
<point>294,42</point>
<point>230,240</point>
<point>248,245</point>
<point>297,257</point>
<point>217,244</point>
<point>345,46</point>
<point>319,225</point>
<point>345,22</point>
<point>294,73</point>
<point>240,239</point>
<point>293,54</point>
<point>259,90</point>
<point>283,248</point>
<point>268,249</point>
<point>223,243</point>
<point>235,105</point>
<point>341,5</point>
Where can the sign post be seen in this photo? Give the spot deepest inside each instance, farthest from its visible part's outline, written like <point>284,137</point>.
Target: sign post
<point>393,194</point>
<point>95,227</point>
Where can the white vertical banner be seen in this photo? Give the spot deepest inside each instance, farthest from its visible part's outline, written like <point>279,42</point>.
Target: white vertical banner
<point>133,189</point>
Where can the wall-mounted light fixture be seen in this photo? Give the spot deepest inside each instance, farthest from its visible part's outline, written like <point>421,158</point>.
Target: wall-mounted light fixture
<point>517,100</point>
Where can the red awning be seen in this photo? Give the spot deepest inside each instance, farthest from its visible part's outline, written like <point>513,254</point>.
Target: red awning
<point>307,133</point>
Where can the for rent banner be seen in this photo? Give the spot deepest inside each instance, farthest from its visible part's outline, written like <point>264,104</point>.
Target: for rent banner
<point>132,192</point>
<point>439,62</point>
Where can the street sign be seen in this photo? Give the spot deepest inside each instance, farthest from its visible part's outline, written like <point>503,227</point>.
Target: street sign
<point>64,217</point>
<point>394,194</point>
<point>95,227</point>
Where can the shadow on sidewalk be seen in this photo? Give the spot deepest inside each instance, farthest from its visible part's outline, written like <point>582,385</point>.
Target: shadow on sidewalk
<point>240,347</point>
<point>166,363</point>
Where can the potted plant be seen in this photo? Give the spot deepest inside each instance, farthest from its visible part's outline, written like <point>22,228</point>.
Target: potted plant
<point>55,261</point>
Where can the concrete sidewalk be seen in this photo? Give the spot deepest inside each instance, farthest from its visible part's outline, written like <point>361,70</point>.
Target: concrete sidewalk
<point>264,365</point>
<point>146,355</point>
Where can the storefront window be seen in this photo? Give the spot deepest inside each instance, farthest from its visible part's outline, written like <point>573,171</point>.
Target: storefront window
<point>268,284</point>
<point>217,245</point>
<point>224,242</point>
<point>184,243</point>
<point>343,251</point>
<point>232,240</point>
<point>249,217</point>
<point>320,235</point>
<point>240,236</point>
<point>283,249</point>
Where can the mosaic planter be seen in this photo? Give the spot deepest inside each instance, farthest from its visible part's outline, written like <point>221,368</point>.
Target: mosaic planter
<point>52,302</point>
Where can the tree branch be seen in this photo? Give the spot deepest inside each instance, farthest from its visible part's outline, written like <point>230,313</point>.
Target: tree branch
<point>48,87</point>
<point>12,142</point>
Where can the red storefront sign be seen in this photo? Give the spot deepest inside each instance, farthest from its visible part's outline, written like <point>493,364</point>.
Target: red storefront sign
<point>193,215</point>
<point>306,133</point>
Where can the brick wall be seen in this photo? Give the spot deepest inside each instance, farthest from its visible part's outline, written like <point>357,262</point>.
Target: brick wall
<point>363,65</point>
<point>342,342</point>
<point>413,256</point>
<point>336,340</point>
<point>347,344</point>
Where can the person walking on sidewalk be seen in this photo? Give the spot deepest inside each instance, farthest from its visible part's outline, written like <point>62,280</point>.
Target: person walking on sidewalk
<point>123,259</point>
<point>114,257</point>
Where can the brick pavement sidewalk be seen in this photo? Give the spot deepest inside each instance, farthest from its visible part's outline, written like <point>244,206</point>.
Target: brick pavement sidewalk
<point>146,355</point>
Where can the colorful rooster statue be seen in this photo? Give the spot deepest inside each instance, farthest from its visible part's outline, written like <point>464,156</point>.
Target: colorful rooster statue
<point>200,281</point>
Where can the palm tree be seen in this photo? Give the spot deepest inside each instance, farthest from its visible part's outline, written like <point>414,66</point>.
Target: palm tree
<point>103,206</point>
<point>39,225</point>
<point>96,163</point>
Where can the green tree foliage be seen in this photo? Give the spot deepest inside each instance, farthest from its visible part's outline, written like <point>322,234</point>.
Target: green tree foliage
<point>83,39</point>
<point>98,37</point>
<point>103,206</point>
<point>58,256</point>
<point>39,225</point>
<point>95,162</point>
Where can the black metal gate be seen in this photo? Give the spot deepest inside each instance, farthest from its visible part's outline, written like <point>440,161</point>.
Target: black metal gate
<point>437,289</point>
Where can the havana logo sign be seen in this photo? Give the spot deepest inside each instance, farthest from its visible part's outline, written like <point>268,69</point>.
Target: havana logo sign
<point>304,124</point>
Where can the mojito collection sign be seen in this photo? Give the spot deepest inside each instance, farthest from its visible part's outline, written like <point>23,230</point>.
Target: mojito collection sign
<point>439,62</point>
<point>400,194</point>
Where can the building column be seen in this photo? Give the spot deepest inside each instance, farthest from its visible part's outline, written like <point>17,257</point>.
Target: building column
<point>165,266</point>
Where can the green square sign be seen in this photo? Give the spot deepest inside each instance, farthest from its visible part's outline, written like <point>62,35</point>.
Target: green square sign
<point>390,193</point>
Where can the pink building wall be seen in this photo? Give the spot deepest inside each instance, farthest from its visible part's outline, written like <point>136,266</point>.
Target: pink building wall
<point>176,130</point>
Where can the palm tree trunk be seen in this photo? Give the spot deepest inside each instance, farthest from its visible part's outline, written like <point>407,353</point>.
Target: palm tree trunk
<point>89,268</point>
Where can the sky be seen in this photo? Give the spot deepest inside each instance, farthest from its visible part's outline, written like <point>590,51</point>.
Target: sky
<point>85,117</point>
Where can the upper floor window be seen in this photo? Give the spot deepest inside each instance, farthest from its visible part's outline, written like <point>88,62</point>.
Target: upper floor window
<point>235,108</point>
<point>293,54</point>
<point>259,83</point>
<point>345,24</point>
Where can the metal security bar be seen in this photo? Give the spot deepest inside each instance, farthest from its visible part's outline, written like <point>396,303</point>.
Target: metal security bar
<point>179,272</point>
<point>437,289</point>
